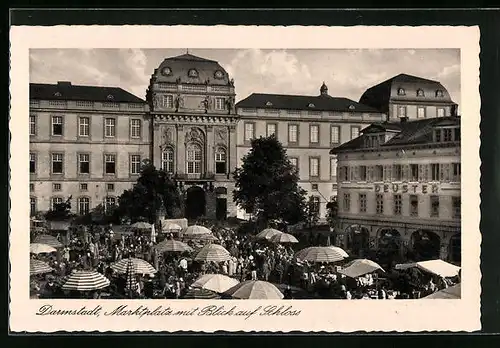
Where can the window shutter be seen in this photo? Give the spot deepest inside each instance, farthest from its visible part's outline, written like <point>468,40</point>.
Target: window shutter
<point>384,173</point>
<point>351,173</point>
<point>389,172</point>
<point>421,172</point>
<point>427,169</point>
<point>341,173</point>
<point>441,172</point>
<point>406,168</point>
<point>369,171</point>
<point>356,173</point>
<point>447,171</point>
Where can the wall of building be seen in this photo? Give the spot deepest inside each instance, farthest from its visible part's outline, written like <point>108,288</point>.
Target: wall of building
<point>431,110</point>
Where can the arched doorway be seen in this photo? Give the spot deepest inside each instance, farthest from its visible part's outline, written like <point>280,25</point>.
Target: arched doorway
<point>358,238</point>
<point>221,203</point>
<point>455,252</point>
<point>195,202</point>
<point>389,245</point>
<point>425,245</point>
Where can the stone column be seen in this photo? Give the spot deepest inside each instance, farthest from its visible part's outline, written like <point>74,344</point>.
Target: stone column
<point>180,153</point>
<point>209,150</point>
<point>231,149</point>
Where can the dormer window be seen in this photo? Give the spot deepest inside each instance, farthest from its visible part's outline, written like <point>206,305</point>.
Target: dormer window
<point>420,92</point>
<point>439,93</point>
<point>401,91</point>
<point>311,105</point>
<point>352,107</point>
<point>219,75</point>
<point>269,103</point>
<point>110,97</point>
<point>193,73</point>
<point>446,135</point>
<point>57,94</point>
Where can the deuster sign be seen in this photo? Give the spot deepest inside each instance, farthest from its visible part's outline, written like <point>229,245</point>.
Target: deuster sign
<point>407,188</point>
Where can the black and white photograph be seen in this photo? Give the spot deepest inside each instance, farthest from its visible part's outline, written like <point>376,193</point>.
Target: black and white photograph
<point>226,174</point>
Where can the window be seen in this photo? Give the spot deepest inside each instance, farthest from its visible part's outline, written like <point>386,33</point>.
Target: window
<point>83,205</point>
<point>401,91</point>
<point>314,133</point>
<point>333,167</point>
<point>397,172</point>
<point>434,206</point>
<point>249,131</point>
<point>32,163</point>
<point>401,111</point>
<point>435,171</point>
<point>193,73</point>
<point>379,173</point>
<point>83,163</point>
<point>135,164</point>
<point>32,187</point>
<point>456,206</point>
<point>457,134</point>
<point>362,173</point>
<point>439,93</point>
<point>314,205</point>
<point>457,172</point>
<point>110,187</point>
<point>295,162</point>
<point>110,202</point>
<point>269,103</point>
<point>437,135</point>
<point>57,125</point>
<point>413,172</point>
<point>135,128</point>
<point>345,173</point>
<point>398,204</point>
<point>55,202</point>
<point>32,125</point>
<point>57,163</point>
<point>109,164</point>
<point>362,202</point>
<point>413,205</point>
<point>32,206</point>
<point>420,93</point>
<point>271,129</point>
<point>354,132</point>
<point>109,127</point>
<point>347,202</point>
<point>440,112</point>
<point>194,159</point>
<point>379,203</point>
<point>314,166</point>
<point>83,126</point>
<point>168,101</point>
<point>167,160</point>
<point>447,134</point>
<point>220,160</point>
<point>314,187</point>
<point>292,133</point>
<point>56,187</point>
<point>84,187</point>
<point>335,135</point>
<point>219,103</point>
<point>420,112</point>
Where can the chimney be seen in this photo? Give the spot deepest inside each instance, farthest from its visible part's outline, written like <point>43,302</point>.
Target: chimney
<point>403,119</point>
<point>64,83</point>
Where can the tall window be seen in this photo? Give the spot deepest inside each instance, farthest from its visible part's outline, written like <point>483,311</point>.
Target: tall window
<point>347,202</point>
<point>413,205</point>
<point>414,172</point>
<point>193,159</point>
<point>249,131</point>
<point>457,172</point>
<point>220,160</point>
<point>397,172</point>
<point>333,167</point>
<point>345,173</point>
<point>110,164</point>
<point>314,166</point>
<point>110,202</point>
<point>434,206</point>
<point>109,127</point>
<point>440,112</point>
<point>314,133</point>
<point>355,132</point>
<point>83,126</point>
<point>362,202</point>
<point>379,198</point>
<point>398,204</point>
<point>437,135</point>
<point>168,101</point>
<point>57,125</point>
<point>83,205</point>
<point>401,111</point>
<point>32,125</point>
<point>447,134</point>
<point>420,112</point>
<point>32,163</point>
<point>55,202</point>
<point>32,206</point>
<point>314,204</point>
<point>167,160</point>
<point>135,128</point>
<point>271,129</point>
<point>379,173</point>
<point>457,134</point>
<point>57,163</point>
<point>135,164</point>
<point>456,206</point>
<point>83,163</point>
<point>435,171</point>
<point>219,103</point>
<point>292,133</point>
<point>295,162</point>
<point>362,173</point>
<point>335,135</point>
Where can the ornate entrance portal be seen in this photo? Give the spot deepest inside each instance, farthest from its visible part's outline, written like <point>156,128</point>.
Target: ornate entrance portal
<point>195,202</point>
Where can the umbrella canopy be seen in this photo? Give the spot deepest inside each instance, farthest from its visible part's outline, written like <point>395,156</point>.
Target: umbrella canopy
<point>213,252</point>
<point>196,230</point>
<point>140,266</point>
<point>85,281</point>
<point>319,254</point>
<point>451,293</point>
<point>170,226</point>
<point>38,248</point>
<point>437,267</point>
<point>141,225</point>
<point>360,267</point>
<point>39,267</point>
<point>339,250</point>
<point>171,245</point>
<point>48,240</point>
<point>201,294</point>
<point>255,290</point>
<point>130,275</point>
<point>215,282</point>
<point>267,233</point>
<point>283,238</point>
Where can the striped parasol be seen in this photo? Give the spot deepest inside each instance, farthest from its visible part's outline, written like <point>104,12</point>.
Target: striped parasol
<point>140,266</point>
<point>38,248</point>
<point>215,282</point>
<point>268,233</point>
<point>171,245</point>
<point>130,275</point>
<point>255,290</point>
<point>213,252</point>
<point>283,238</point>
<point>195,231</point>
<point>48,240</point>
<point>319,254</point>
<point>85,281</point>
<point>141,225</point>
<point>339,250</point>
<point>201,294</point>
<point>39,267</point>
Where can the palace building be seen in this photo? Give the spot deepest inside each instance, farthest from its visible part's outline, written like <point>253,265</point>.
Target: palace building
<point>399,189</point>
<point>308,127</point>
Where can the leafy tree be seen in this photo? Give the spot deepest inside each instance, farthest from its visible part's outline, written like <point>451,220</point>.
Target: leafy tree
<point>267,184</point>
<point>333,211</point>
<point>60,212</point>
<point>312,213</point>
<point>154,190</point>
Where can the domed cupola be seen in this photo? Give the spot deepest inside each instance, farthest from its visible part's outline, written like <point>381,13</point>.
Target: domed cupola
<point>324,89</point>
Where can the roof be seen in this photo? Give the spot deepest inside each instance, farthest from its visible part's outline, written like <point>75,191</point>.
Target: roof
<point>408,132</point>
<point>68,91</point>
<point>302,102</point>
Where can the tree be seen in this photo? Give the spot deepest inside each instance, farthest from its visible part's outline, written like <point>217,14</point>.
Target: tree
<point>332,216</point>
<point>154,189</point>
<point>312,213</point>
<point>267,184</point>
<point>60,212</point>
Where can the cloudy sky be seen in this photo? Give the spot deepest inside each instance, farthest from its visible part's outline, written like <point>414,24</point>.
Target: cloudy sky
<point>346,72</point>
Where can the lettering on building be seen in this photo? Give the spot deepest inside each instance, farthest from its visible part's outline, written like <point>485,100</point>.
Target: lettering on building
<point>407,188</point>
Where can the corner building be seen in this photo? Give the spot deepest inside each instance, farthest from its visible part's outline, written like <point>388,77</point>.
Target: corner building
<point>399,190</point>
